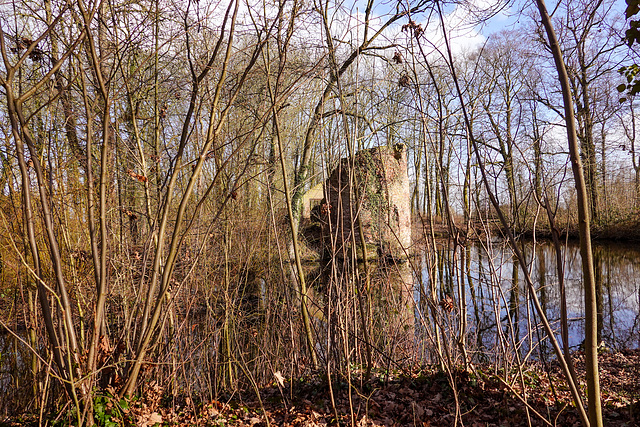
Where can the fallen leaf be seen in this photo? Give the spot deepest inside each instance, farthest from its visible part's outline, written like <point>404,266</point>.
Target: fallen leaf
<point>279,378</point>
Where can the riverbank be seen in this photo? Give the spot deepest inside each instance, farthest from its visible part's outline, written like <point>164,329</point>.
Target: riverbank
<point>617,231</point>
<point>620,232</point>
<point>413,396</point>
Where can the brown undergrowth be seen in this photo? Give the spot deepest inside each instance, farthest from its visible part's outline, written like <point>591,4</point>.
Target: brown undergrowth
<point>421,396</point>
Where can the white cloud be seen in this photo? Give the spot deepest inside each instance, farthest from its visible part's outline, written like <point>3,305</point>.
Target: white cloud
<point>463,25</point>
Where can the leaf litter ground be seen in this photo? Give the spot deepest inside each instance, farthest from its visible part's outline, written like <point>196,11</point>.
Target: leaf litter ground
<point>423,397</point>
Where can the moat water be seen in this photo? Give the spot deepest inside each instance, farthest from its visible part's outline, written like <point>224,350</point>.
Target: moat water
<point>491,282</point>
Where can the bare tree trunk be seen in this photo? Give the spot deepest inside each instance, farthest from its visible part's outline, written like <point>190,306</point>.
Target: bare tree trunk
<point>591,333</point>
<point>571,381</point>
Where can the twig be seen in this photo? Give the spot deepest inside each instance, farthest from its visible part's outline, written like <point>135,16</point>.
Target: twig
<point>523,401</point>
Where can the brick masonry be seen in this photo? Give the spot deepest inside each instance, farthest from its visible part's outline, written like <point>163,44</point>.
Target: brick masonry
<point>374,186</point>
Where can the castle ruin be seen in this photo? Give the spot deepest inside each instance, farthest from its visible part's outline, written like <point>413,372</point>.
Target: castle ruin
<point>371,189</point>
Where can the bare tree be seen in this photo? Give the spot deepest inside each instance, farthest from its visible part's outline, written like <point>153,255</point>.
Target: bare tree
<point>591,338</point>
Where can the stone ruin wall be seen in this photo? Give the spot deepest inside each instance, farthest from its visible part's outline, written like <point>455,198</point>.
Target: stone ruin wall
<point>384,204</point>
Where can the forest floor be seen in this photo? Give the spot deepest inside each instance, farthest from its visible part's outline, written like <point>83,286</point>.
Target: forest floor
<point>423,397</point>
<point>417,397</point>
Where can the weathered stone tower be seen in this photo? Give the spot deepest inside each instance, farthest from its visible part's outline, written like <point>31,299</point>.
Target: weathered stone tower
<point>373,187</point>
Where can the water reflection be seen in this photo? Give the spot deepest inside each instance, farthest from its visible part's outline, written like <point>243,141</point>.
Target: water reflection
<point>406,312</point>
<point>484,276</point>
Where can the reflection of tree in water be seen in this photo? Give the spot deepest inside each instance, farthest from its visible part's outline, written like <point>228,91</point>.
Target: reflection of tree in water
<point>512,319</point>
<point>480,286</point>
<point>543,348</point>
<point>597,264</point>
<point>386,311</point>
<point>495,296</point>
